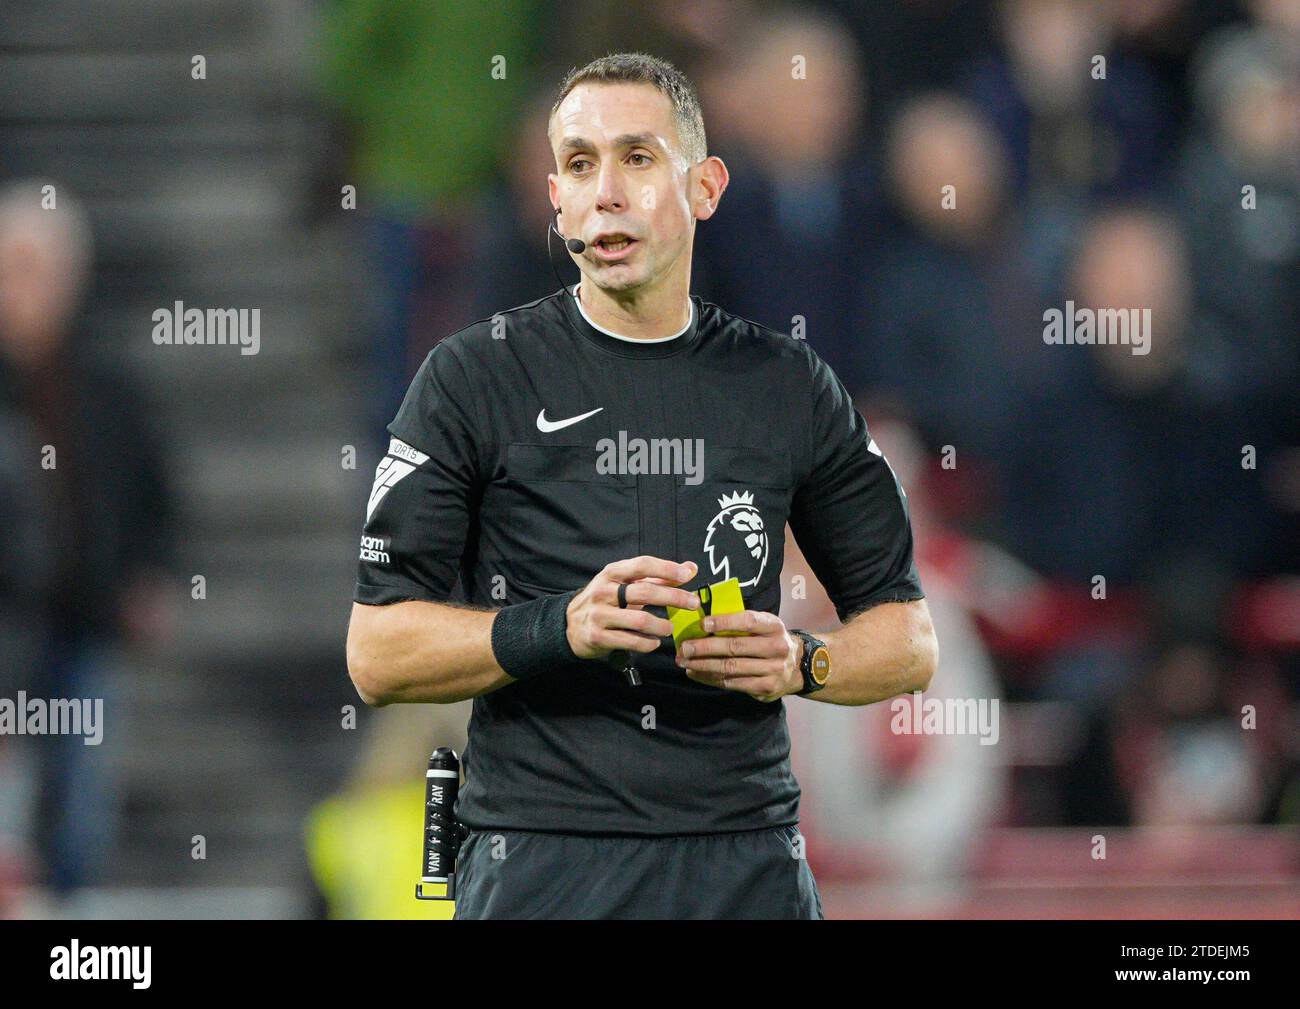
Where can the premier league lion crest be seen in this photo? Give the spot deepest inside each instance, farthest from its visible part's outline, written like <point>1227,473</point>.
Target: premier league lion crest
<point>737,541</point>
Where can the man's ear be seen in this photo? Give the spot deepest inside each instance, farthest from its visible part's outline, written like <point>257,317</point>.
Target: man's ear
<point>709,187</point>
<point>553,189</point>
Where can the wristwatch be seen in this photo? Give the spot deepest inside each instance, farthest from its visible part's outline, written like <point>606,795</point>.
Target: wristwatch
<point>816,663</point>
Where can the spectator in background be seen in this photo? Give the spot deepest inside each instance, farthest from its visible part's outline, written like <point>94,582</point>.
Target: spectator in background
<point>420,160</point>
<point>1245,246</point>
<point>950,307</point>
<point>1065,128</point>
<point>26,550</point>
<point>105,505</point>
<point>1131,466</point>
<point>799,207</point>
<point>1070,136</point>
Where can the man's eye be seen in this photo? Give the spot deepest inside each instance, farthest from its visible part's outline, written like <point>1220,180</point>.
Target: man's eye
<point>645,158</point>
<point>573,165</point>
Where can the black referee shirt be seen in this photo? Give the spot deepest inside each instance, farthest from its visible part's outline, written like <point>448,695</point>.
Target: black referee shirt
<point>700,448</point>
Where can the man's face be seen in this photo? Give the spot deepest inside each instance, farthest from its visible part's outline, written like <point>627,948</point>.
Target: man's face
<point>620,172</point>
<point>38,289</point>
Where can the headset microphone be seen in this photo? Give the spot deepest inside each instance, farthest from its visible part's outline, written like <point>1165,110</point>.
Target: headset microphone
<point>575,245</point>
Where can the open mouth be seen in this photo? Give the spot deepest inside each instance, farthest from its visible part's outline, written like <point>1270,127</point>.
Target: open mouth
<point>613,246</point>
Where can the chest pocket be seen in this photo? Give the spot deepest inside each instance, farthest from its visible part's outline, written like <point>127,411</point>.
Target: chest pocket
<point>732,523</point>
<point>556,521</point>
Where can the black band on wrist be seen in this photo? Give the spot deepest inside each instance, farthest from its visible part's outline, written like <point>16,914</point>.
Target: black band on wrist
<point>529,639</point>
<point>805,662</point>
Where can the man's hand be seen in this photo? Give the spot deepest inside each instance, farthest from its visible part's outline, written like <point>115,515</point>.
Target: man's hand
<point>764,663</point>
<point>596,625</point>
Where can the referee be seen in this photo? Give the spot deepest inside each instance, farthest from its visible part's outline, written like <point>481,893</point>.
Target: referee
<point>569,468</point>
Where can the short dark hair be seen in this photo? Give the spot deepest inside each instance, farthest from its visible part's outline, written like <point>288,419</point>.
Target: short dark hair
<point>641,68</point>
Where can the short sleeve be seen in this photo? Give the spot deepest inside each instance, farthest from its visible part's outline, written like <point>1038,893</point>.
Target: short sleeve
<point>850,515</point>
<point>418,511</point>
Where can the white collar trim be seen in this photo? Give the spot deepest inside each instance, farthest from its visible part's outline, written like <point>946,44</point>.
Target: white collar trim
<point>631,339</point>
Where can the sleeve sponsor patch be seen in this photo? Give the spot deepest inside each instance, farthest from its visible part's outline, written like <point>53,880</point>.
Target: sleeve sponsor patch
<point>401,461</point>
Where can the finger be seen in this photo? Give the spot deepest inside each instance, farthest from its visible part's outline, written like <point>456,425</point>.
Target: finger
<point>645,566</point>
<point>749,621</point>
<point>633,620</point>
<point>733,668</point>
<point>661,581</point>
<point>644,593</point>
<point>764,688</point>
<point>755,645</point>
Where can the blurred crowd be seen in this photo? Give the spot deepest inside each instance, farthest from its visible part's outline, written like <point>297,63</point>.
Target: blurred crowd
<point>1105,534</point>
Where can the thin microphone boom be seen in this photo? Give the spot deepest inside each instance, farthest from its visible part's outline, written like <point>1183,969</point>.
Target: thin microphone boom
<point>575,245</point>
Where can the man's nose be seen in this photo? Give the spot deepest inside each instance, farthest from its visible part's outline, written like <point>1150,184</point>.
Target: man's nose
<point>610,191</point>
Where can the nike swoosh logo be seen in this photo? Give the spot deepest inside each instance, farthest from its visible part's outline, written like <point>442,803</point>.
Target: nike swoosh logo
<point>554,425</point>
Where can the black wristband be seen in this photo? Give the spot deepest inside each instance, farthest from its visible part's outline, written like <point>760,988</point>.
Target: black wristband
<point>529,639</point>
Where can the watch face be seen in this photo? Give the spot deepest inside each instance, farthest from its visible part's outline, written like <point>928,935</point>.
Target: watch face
<point>821,665</point>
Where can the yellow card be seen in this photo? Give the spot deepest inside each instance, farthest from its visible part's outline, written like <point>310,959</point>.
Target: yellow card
<point>723,597</point>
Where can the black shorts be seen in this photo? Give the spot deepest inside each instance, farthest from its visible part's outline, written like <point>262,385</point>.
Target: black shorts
<point>524,874</point>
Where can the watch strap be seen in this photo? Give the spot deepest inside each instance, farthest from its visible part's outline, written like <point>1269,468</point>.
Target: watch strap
<point>810,645</point>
